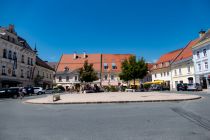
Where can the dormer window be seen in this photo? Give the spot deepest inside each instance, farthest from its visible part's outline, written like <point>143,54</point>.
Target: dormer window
<point>66,69</point>
<point>105,66</point>
<point>114,66</point>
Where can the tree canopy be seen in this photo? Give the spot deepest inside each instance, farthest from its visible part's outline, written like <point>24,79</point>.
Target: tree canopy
<point>133,69</point>
<point>87,73</point>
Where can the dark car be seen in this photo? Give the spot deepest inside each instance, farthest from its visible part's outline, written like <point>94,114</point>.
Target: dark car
<point>181,87</point>
<point>9,92</point>
<point>155,87</point>
<point>28,90</point>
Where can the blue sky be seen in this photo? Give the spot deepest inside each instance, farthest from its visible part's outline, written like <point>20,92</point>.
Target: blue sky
<point>146,28</point>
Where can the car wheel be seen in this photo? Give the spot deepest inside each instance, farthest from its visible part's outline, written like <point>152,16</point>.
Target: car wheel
<point>15,96</point>
<point>39,93</point>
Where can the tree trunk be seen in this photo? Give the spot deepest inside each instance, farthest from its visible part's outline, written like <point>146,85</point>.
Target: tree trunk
<point>134,83</point>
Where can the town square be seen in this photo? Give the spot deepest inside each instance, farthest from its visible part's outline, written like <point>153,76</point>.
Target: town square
<point>105,70</point>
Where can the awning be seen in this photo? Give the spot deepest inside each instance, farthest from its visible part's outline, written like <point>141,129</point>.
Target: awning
<point>155,82</point>
<point>137,83</point>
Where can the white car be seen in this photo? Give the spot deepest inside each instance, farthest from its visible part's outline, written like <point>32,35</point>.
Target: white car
<point>38,90</point>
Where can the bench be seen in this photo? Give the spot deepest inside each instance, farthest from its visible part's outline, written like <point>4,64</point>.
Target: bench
<point>56,97</point>
<point>129,90</point>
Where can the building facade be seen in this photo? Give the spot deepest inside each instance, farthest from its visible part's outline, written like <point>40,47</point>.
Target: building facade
<point>182,68</point>
<point>17,59</point>
<point>201,59</point>
<point>107,66</point>
<point>161,70</point>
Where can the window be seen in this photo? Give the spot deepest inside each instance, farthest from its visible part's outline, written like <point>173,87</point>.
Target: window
<point>164,73</point>
<point>67,78</point>
<point>38,72</point>
<point>198,54</point>
<point>60,79</point>
<point>167,73</point>
<point>5,53</point>
<point>206,65</point>
<point>3,70</point>
<point>105,66</point>
<point>175,73</point>
<point>180,71</point>
<point>188,69</point>
<point>13,73</point>
<point>114,66</point>
<point>28,74</point>
<point>47,75</point>
<point>50,76</point>
<point>10,55</point>
<point>112,77</point>
<point>204,52</point>
<point>155,75</point>
<point>105,77</point>
<point>76,78</point>
<point>66,69</point>
<point>43,74</point>
<point>21,75</point>
<point>31,61</point>
<point>22,59</point>
<point>28,61</point>
<point>14,56</point>
<point>199,67</point>
<point>161,74</point>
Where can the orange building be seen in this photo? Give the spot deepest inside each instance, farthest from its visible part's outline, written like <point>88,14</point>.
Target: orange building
<point>108,67</point>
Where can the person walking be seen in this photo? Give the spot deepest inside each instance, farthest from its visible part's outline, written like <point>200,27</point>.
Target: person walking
<point>21,94</point>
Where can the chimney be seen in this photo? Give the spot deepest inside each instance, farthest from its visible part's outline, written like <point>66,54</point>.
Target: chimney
<point>75,55</point>
<point>11,28</point>
<point>84,54</point>
<point>201,33</point>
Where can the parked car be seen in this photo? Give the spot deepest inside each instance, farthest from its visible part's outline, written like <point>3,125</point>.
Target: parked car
<point>28,90</point>
<point>9,92</point>
<point>38,90</point>
<point>181,87</point>
<point>155,87</point>
<point>49,91</point>
<point>194,87</point>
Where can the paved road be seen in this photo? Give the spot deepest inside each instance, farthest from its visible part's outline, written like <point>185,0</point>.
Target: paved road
<point>133,121</point>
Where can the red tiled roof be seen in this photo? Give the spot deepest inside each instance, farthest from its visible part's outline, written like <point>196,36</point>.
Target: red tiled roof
<point>187,51</point>
<point>149,66</point>
<point>114,58</point>
<point>41,63</point>
<point>67,60</point>
<point>169,57</point>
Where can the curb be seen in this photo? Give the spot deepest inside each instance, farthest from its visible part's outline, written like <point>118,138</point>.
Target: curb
<point>110,102</point>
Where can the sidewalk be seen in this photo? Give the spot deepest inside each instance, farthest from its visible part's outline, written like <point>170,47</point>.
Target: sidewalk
<point>113,97</point>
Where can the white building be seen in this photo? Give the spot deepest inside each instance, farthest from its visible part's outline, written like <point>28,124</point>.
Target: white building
<point>18,61</point>
<point>201,59</point>
<point>161,70</point>
<point>182,68</point>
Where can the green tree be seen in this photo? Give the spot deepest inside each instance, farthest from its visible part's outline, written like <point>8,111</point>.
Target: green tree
<point>133,69</point>
<point>87,73</point>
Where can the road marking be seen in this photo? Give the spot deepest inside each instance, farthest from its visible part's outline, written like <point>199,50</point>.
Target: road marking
<point>196,119</point>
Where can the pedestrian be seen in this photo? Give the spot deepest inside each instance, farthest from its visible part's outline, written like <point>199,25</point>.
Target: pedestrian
<point>21,94</point>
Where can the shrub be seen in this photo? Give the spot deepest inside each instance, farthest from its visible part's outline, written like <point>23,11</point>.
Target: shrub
<point>113,89</point>
<point>147,86</point>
